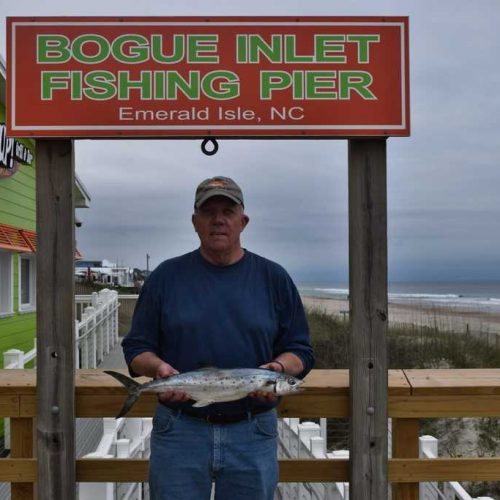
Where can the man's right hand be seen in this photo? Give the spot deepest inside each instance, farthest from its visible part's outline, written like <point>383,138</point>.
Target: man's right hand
<point>164,370</point>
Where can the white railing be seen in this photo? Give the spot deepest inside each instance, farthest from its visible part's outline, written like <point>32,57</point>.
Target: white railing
<point>14,358</point>
<point>96,334</point>
<point>308,440</point>
<point>122,438</point>
<point>96,327</point>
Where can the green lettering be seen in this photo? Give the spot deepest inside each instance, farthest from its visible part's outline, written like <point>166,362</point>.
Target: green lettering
<point>273,80</point>
<point>325,45</point>
<point>291,51</point>
<point>319,84</point>
<point>363,42</point>
<point>52,49</point>
<point>257,46</point>
<point>358,81</point>
<point>101,85</point>
<point>53,80</point>
<point>102,49</point>
<point>177,53</point>
<point>190,88</point>
<point>76,85</point>
<point>241,49</point>
<point>228,88</point>
<point>197,44</point>
<point>137,52</point>
<point>125,85</point>
<point>159,85</point>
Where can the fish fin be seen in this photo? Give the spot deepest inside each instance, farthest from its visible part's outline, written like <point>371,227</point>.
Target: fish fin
<point>202,402</point>
<point>132,387</point>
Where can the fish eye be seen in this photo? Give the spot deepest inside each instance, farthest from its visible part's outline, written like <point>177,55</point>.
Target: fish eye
<point>292,381</point>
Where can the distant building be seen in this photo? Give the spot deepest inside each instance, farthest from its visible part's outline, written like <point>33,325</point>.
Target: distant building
<point>105,272</point>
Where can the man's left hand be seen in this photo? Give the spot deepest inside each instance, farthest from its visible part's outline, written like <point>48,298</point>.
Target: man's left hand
<point>263,396</point>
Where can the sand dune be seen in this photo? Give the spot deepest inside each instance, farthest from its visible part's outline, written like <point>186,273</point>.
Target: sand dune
<point>445,318</point>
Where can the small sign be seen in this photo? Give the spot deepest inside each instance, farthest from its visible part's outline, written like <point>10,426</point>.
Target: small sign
<point>246,76</point>
<point>12,154</point>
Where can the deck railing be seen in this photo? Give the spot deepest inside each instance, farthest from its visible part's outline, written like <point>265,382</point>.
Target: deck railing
<point>413,394</point>
<point>308,440</point>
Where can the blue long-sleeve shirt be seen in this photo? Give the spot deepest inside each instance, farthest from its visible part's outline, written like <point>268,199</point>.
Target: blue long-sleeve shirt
<point>191,313</point>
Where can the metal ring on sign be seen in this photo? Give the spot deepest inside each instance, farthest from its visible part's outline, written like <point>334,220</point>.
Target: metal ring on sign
<point>209,152</point>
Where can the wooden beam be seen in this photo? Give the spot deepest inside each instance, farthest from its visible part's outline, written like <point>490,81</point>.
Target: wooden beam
<point>55,319</point>
<point>406,470</point>
<point>401,470</point>
<point>368,305</point>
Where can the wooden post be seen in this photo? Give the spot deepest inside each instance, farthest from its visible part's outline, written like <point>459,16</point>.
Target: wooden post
<point>368,304</point>
<point>22,447</point>
<point>405,433</point>
<point>55,320</point>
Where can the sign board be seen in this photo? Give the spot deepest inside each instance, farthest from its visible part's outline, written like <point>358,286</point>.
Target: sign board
<point>245,76</point>
<point>12,154</point>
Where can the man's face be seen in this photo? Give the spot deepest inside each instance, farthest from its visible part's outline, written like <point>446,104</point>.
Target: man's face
<point>219,223</point>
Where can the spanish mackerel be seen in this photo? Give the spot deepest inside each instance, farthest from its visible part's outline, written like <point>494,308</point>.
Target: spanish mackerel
<point>211,385</point>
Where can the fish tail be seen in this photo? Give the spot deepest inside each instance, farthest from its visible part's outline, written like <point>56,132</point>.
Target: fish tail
<point>132,387</point>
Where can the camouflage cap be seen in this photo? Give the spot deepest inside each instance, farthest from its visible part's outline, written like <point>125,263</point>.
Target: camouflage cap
<point>218,186</point>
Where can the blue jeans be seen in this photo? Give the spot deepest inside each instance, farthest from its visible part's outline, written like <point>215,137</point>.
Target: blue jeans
<point>187,454</point>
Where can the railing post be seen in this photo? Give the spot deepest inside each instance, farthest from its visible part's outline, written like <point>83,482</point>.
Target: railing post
<point>13,357</point>
<point>77,345</point>
<point>116,322</point>
<point>428,448</point>
<point>22,436</point>
<point>405,445</point>
<point>91,335</point>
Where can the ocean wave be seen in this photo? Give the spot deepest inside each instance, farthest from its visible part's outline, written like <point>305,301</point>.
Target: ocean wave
<point>333,291</point>
<point>455,300</point>
<point>430,296</point>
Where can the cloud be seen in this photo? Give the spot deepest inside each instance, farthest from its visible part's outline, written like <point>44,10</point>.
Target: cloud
<point>442,181</point>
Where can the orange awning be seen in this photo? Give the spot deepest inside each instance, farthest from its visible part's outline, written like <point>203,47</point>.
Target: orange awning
<point>12,238</point>
<point>21,240</point>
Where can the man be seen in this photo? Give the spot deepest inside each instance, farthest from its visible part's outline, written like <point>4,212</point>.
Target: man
<point>222,306</point>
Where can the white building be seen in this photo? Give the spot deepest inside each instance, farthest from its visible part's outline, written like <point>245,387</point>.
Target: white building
<point>105,272</point>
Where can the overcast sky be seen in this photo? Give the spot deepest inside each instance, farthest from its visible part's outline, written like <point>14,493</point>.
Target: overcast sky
<point>443,181</point>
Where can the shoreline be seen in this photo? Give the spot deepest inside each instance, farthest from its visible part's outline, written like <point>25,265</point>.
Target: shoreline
<point>444,318</point>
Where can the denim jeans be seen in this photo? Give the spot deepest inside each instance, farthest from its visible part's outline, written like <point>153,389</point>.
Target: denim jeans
<point>187,454</point>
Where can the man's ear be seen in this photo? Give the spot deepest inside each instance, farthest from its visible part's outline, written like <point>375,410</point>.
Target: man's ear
<point>245,220</point>
<point>193,220</point>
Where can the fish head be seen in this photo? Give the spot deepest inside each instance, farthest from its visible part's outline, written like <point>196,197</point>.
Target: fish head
<point>286,384</point>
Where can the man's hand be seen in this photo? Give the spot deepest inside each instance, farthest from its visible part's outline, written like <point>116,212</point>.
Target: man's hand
<point>150,365</point>
<point>164,370</point>
<point>263,396</point>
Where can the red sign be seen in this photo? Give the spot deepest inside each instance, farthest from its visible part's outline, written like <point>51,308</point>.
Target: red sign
<point>151,77</point>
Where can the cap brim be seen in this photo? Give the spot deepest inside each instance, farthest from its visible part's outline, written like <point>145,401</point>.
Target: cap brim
<point>216,192</point>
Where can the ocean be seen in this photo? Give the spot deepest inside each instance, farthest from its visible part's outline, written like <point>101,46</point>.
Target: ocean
<point>479,296</point>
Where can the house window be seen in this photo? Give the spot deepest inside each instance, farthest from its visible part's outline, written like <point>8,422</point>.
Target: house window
<point>27,280</point>
<point>6,283</point>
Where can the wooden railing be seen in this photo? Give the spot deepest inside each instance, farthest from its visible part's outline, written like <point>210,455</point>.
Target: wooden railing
<point>413,394</point>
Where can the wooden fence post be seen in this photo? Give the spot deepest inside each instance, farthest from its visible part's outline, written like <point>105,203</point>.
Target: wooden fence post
<point>405,433</point>
<point>368,305</point>
<point>22,447</point>
<point>55,180</point>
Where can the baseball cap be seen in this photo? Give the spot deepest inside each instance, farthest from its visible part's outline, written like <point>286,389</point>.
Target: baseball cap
<point>218,186</point>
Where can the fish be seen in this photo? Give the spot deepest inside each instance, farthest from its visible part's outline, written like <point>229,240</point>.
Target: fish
<point>211,385</point>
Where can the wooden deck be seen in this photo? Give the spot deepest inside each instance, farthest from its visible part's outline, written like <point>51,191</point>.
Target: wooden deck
<point>412,394</point>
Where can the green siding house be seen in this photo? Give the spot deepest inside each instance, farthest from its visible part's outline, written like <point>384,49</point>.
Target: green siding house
<point>18,236</point>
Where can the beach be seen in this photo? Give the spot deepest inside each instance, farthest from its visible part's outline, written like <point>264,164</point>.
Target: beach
<point>446,318</point>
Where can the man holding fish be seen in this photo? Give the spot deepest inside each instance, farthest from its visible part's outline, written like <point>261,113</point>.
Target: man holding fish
<point>236,322</point>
